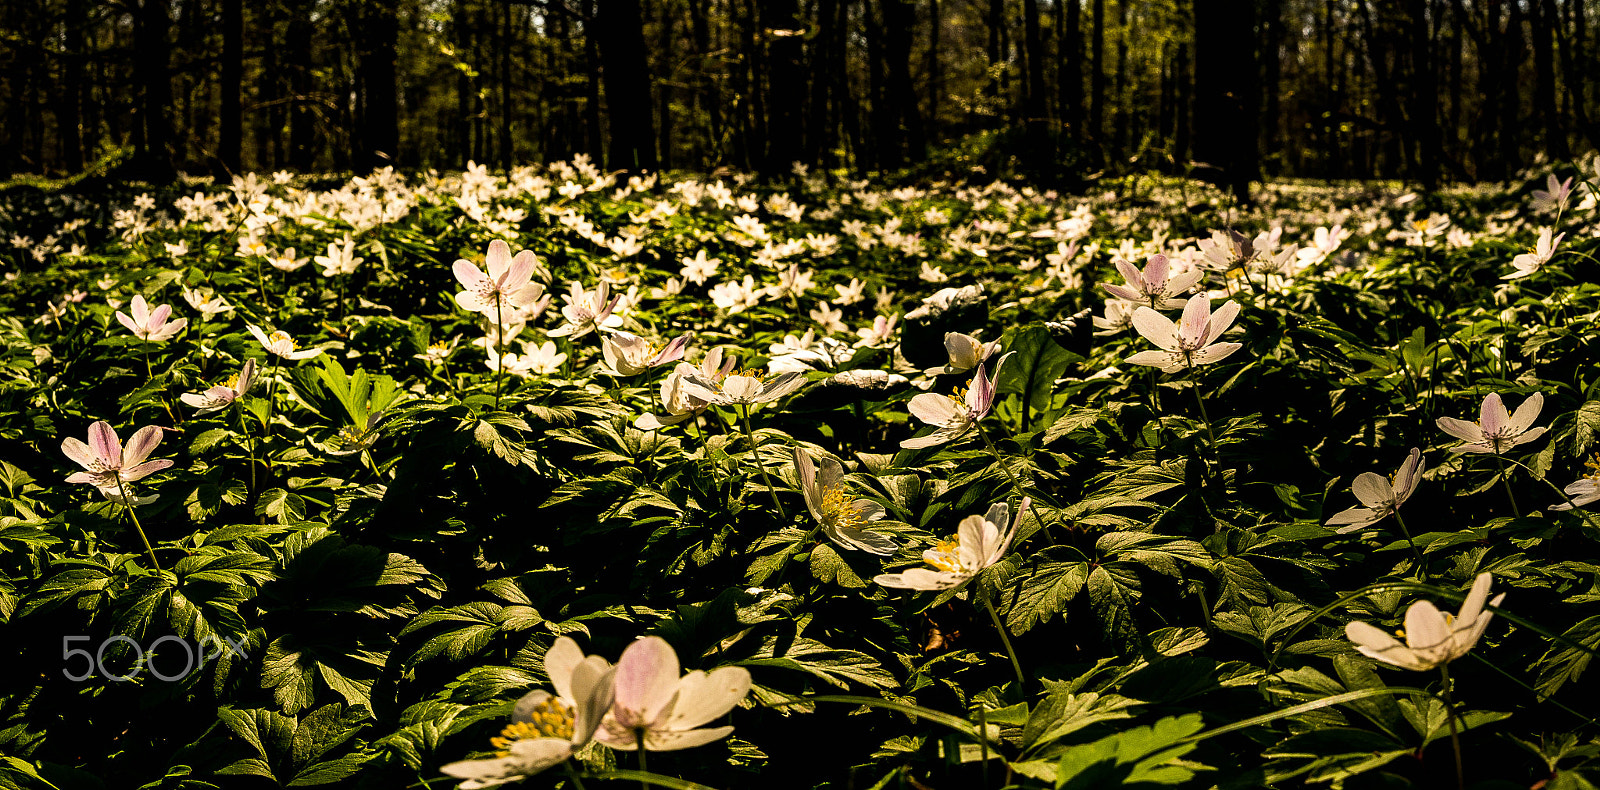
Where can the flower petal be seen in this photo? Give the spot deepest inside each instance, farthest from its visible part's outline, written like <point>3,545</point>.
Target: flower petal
<point>647,678</point>
<point>705,696</point>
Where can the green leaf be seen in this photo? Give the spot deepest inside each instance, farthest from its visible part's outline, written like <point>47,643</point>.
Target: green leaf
<point>1031,371</point>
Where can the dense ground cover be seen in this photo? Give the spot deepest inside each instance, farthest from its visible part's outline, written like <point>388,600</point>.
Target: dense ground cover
<point>885,462</point>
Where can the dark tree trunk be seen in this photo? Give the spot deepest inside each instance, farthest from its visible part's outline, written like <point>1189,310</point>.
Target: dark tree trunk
<point>819,119</point>
<point>785,85</point>
<point>1424,117</point>
<point>1224,73</point>
<point>69,109</point>
<point>1544,84</point>
<point>508,152</point>
<point>231,123</point>
<point>665,44</point>
<point>1272,76</point>
<point>380,116</point>
<point>1097,74</point>
<point>627,84</point>
<point>594,141</point>
<point>899,18</point>
<point>1033,102</point>
<point>151,69</point>
<point>1071,77</point>
<point>302,116</point>
<point>935,67</point>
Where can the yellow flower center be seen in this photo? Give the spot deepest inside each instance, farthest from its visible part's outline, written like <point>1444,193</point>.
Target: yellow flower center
<point>1235,273</point>
<point>550,719</point>
<point>750,373</point>
<point>280,337</point>
<point>948,557</point>
<point>352,434</point>
<point>836,509</point>
<point>960,394</point>
<point>440,347</point>
<point>232,382</point>
<point>1593,465</point>
<point>1420,224</point>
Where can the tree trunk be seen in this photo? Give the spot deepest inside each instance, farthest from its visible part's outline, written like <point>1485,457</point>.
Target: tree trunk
<point>69,109</point>
<point>1224,73</point>
<point>627,85</point>
<point>1424,117</point>
<point>151,69</point>
<point>1544,84</point>
<point>379,123</point>
<point>231,123</point>
<point>1071,77</point>
<point>297,56</point>
<point>899,18</point>
<point>785,85</point>
<point>1097,74</point>
<point>935,67</point>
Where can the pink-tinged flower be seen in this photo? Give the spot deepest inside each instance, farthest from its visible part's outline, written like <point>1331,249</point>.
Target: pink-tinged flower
<point>1533,260</point>
<point>679,402</point>
<point>546,728</point>
<point>506,284</point>
<point>1554,194</point>
<point>1496,431</point>
<point>628,354</point>
<point>1380,496</point>
<point>1189,342</point>
<point>978,544</point>
<point>151,325</point>
<point>954,415</point>
<point>223,395</point>
<point>840,518</point>
<point>1432,637</point>
<point>587,311</point>
<point>281,344</point>
<point>107,463</point>
<point>745,387</point>
<point>664,711</point>
<point>966,352</point>
<point>1155,286</point>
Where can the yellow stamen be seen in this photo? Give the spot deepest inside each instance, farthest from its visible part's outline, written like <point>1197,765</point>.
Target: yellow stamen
<point>948,557</point>
<point>1235,273</point>
<point>750,373</point>
<point>440,347</point>
<point>232,382</point>
<point>836,509</point>
<point>281,336</point>
<point>549,719</point>
<point>1593,465</point>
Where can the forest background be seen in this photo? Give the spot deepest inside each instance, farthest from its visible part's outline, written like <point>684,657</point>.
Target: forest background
<point>1054,90</point>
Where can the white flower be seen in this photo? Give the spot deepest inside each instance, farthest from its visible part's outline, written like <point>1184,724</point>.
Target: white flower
<point>281,344</point>
<point>341,258</point>
<point>506,284</point>
<point>954,415</point>
<point>1496,431</point>
<point>840,518</point>
<point>546,729</point>
<point>1118,317</point>
<point>627,354</point>
<point>699,268</point>
<point>588,311</point>
<point>932,274</point>
<point>1380,496</point>
<point>832,320</point>
<point>978,544</point>
<point>151,325</point>
<point>1191,342</point>
<point>286,260</point>
<point>734,296</point>
<point>207,304</point>
<point>880,333</point>
<point>1153,286</point>
<point>1533,260</point>
<point>656,708</point>
<point>1432,637</point>
<point>223,395</point>
<point>966,352</point>
<point>851,293</point>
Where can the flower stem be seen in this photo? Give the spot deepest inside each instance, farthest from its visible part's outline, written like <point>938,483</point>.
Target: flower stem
<point>577,778</point>
<point>1422,566</point>
<point>755,452</point>
<point>1198,398</point>
<point>133,512</point>
<point>499,348</point>
<point>1506,481</point>
<point>1005,639</point>
<point>1450,715</point>
<point>639,734</point>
